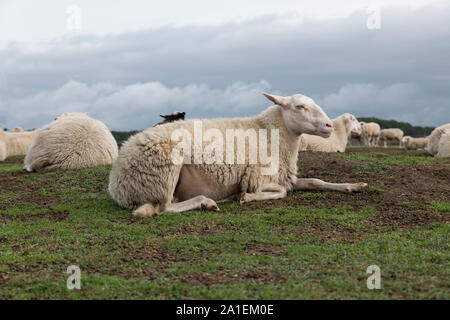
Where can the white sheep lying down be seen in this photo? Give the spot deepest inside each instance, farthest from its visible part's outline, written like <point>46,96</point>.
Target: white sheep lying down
<point>343,126</point>
<point>72,141</point>
<point>435,137</point>
<point>145,178</point>
<point>392,134</point>
<point>411,143</point>
<point>14,143</point>
<point>444,145</point>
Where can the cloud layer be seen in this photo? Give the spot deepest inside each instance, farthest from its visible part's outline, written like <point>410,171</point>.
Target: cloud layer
<point>399,72</point>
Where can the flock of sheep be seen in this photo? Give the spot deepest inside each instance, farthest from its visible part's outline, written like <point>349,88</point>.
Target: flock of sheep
<point>145,179</point>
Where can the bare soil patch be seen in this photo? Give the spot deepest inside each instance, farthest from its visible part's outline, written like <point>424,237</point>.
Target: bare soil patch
<point>401,194</point>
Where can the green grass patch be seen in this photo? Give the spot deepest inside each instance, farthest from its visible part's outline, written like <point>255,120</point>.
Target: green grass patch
<point>442,206</point>
<point>263,250</point>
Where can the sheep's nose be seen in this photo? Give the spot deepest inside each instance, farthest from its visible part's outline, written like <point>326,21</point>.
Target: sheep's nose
<point>329,125</point>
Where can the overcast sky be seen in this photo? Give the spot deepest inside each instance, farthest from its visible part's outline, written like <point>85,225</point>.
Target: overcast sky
<point>131,60</point>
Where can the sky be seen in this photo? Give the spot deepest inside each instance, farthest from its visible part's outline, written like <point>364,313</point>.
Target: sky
<point>126,62</point>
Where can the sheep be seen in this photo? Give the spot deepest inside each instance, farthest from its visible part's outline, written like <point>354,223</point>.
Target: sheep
<point>411,143</point>
<point>146,178</point>
<point>14,143</point>
<point>434,137</point>
<point>370,133</point>
<point>174,116</point>
<point>72,141</point>
<point>3,149</point>
<point>392,135</point>
<point>343,125</point>
<point>17,129</point>
<point>444,145</point>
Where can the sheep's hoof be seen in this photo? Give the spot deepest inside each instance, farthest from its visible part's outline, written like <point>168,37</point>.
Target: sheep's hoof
<point>356,187</point>
<point>146,210</point>
<point>208,204</point>
<point>245,197</point>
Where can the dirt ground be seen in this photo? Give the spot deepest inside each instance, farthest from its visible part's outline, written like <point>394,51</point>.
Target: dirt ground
<point>401,194</point>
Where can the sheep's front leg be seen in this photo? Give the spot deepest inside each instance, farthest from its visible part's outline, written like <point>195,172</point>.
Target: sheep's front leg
<point>317,184</point>
<point>199,202</point>
<point>270,192</point>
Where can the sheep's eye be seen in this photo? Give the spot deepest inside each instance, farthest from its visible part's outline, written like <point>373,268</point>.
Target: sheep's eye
<point>300,106</point>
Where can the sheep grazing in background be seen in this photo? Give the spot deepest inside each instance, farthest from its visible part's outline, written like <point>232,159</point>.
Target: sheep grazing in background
<point>434,137</point>
<point>146,178</point>
<point>343,125</point>
<point>411,143</point>
<point>392,135</point>
<point>14,143</point>
<point>355,139</point>
<point>444,145</point>
<point>370,133</point>
<point>17,129</point>
<point>174,116</point>
<point>72,141</point>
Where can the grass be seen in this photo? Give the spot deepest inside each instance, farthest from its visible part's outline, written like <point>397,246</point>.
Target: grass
<point>242,252</point>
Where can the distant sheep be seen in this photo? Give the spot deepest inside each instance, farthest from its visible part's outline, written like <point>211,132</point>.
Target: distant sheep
<point>370,133</point>
<point>14,143</point>
<point>434,137</point>
<point>444,145</point>
<point>145,177</point>
<point>72,141</point>
<point>3,148</point>
<point>411,143</point>
<point>343,125</point>
<point>393,135</point>
<point>17,129</point>
<point>174,116</point>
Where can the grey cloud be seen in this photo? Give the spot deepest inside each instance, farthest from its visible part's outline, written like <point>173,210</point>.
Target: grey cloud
<point>136,106</point>
<point>401,71</point>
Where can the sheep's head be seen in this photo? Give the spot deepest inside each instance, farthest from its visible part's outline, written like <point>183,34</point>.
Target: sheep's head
<point>302,115</point>
<point>405,140</point>
<point>352,124</point>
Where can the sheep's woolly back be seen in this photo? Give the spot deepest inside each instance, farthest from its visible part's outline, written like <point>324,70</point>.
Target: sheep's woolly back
<point>17,143</point>
<point>337,142</point>
<point>444,145</point>
<point>72,141</point>
<point>391,134</point>
<point>434,137</point>
<point>411,143</point>
<point>14,143</point>
<point>371,129</point>
<point>145,173</point>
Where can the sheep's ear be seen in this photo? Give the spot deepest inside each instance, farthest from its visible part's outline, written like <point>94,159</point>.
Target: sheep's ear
<point>279,100</point>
